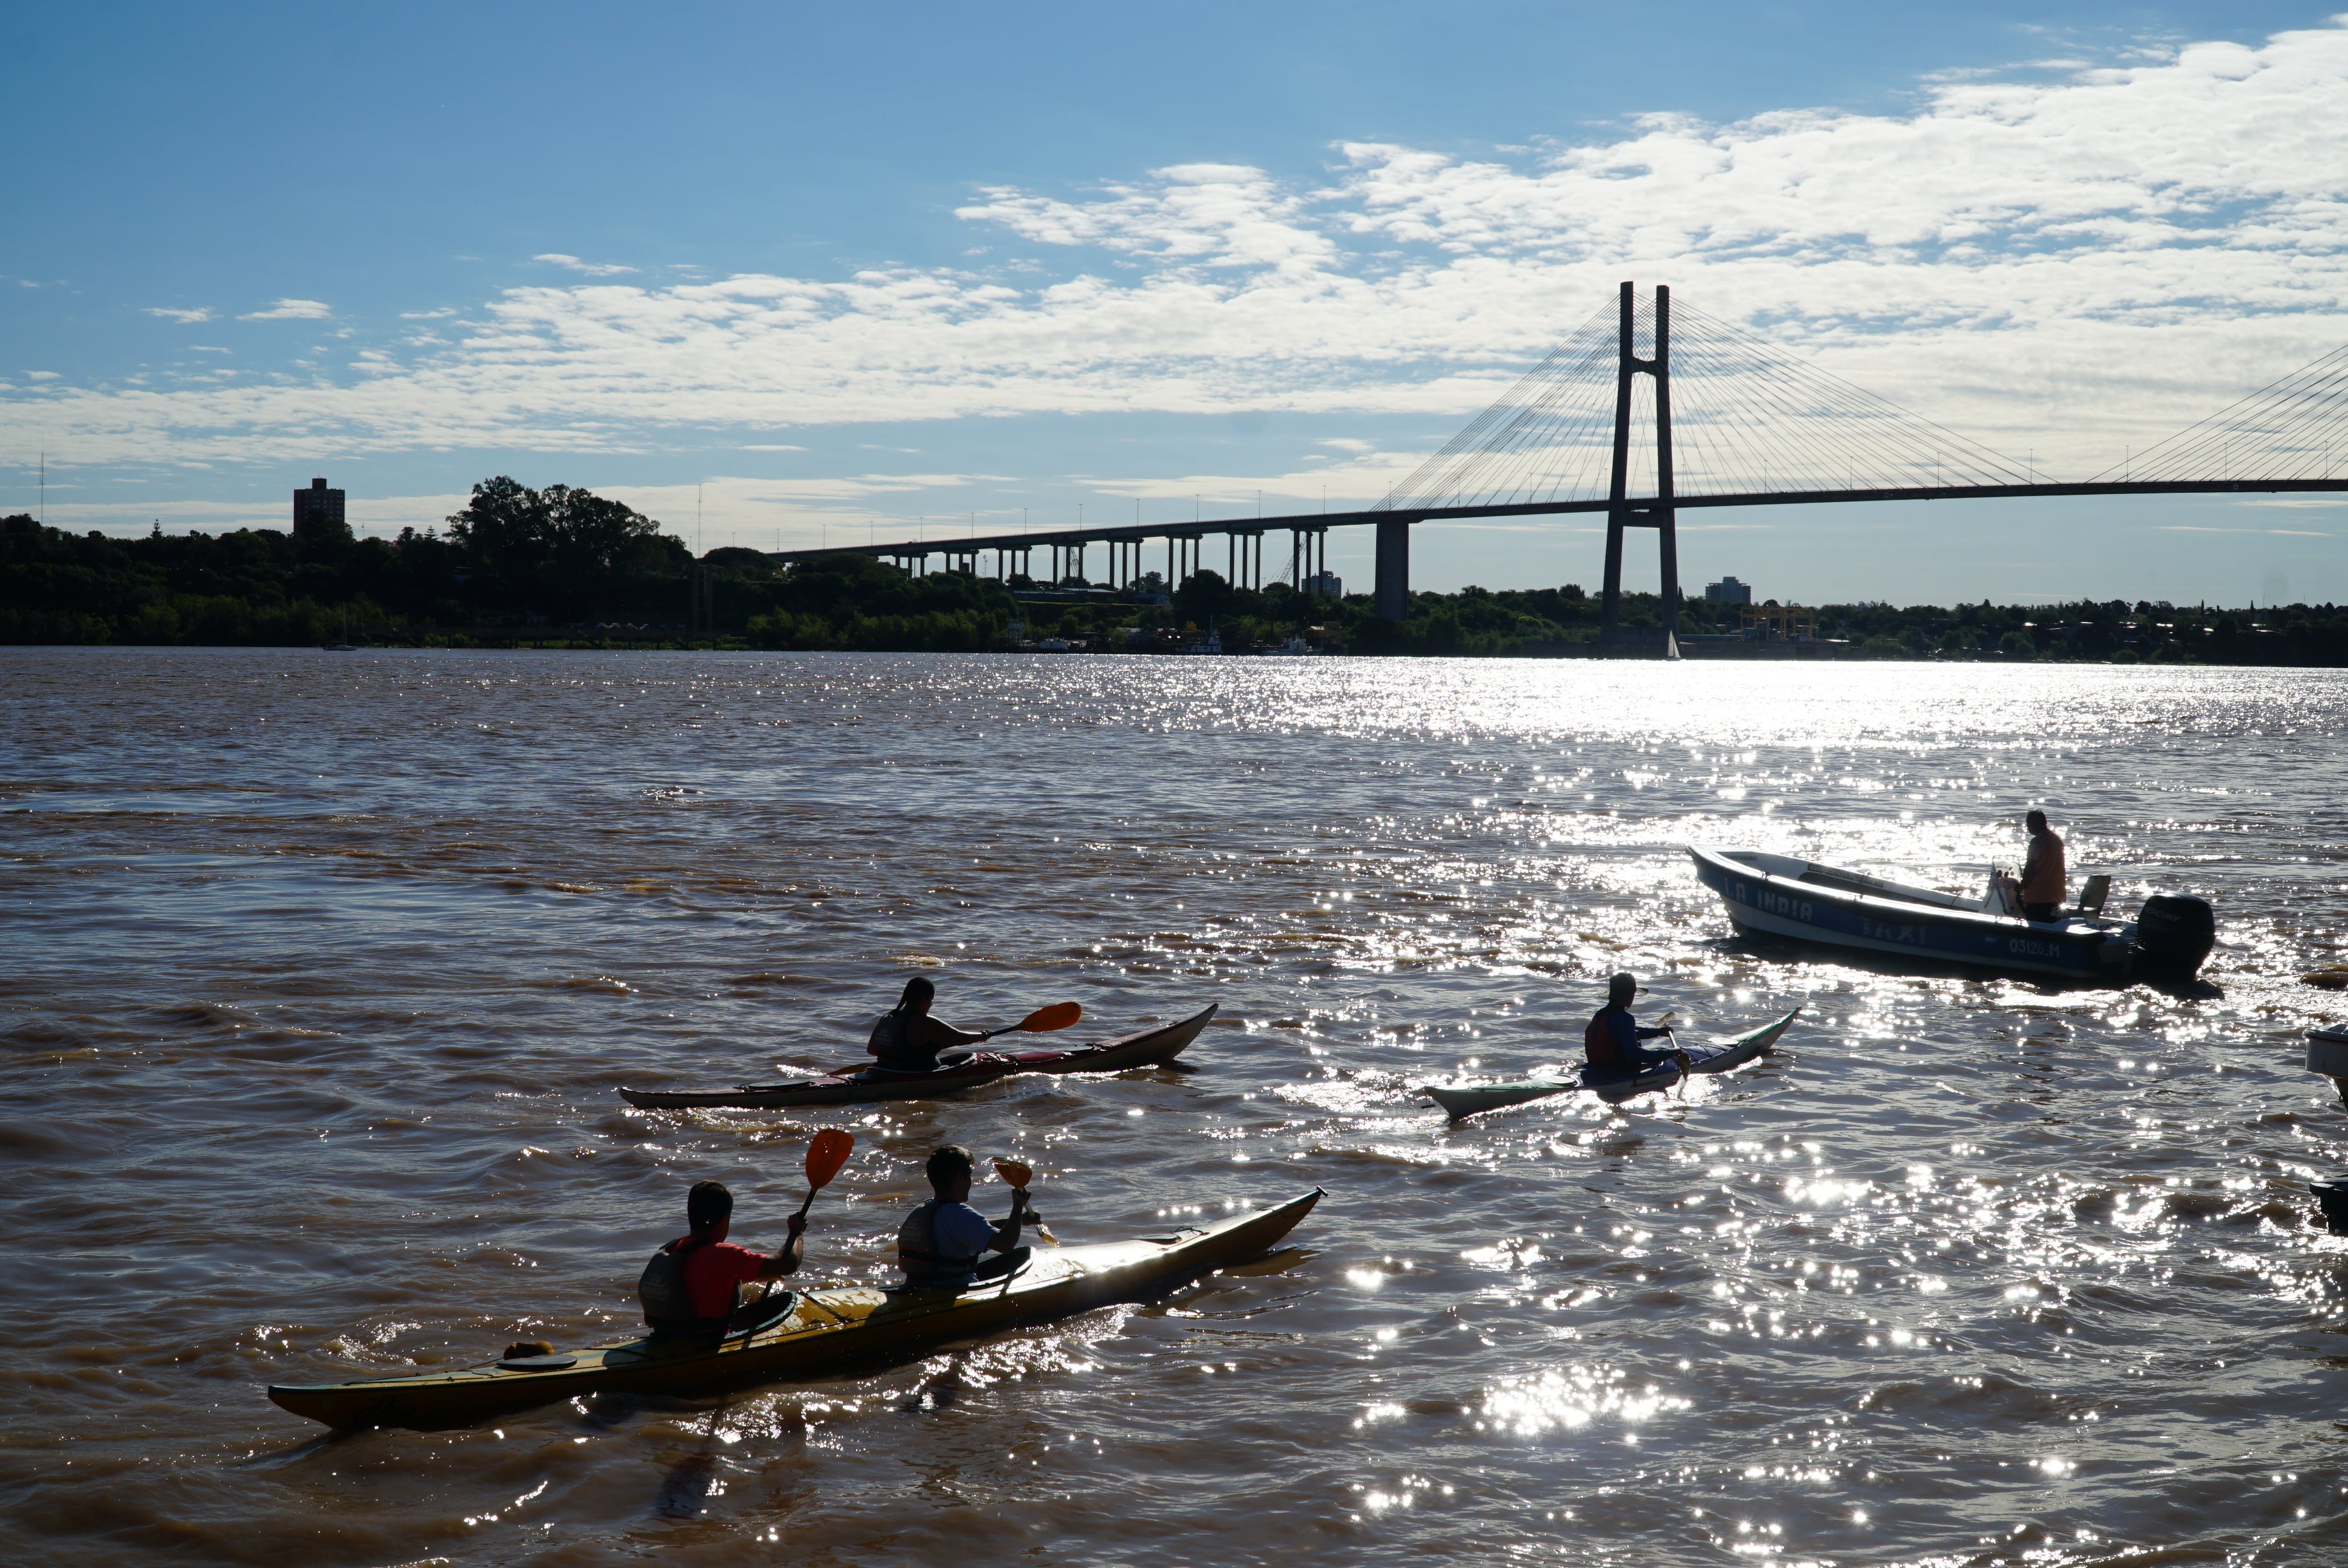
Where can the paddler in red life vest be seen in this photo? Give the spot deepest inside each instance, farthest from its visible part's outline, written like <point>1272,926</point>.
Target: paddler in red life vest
<point>908,1039</point>
<point>1611,1039</point>
<point>942,1242</point>
<point>2044,881</point>
<point>693,1284</point>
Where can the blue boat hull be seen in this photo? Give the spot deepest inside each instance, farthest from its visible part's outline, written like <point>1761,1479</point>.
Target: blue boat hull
<point>1761,900</point>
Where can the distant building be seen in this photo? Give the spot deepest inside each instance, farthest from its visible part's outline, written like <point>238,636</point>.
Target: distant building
<point>1326,582</point>
<point>1728,591</point>
<point>315,507</point>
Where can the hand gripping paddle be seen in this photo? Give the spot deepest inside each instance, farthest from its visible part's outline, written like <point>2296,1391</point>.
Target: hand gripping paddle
<point>1679,1056</point>
<point>826,1153</point>
<point>1043,1020</point>
<point>1018,1176</point>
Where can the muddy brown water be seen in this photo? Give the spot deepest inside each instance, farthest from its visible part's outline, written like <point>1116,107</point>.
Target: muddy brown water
<point>320,970</point>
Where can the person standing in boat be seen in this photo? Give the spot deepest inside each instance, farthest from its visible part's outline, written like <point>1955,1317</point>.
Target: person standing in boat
<point>2044,881</point>
<point>1611,1039</point>
<point>693,1284</point>
<point>907,1038</point>
<point>942,1243</point>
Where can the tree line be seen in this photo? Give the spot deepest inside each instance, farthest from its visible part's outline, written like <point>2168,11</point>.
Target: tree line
<point>565,565</point>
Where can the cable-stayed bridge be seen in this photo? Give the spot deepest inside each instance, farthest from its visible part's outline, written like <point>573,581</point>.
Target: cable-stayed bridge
<point>1724,418</point>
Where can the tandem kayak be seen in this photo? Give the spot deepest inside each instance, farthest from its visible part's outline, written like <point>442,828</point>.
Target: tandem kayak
<point>1612,1084</point>
<point>850,1085</point>
<point>814,1333</point>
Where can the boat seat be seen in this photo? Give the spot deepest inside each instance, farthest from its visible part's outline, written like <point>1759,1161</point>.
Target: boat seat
<point>2091,896</point>
<point>1840,883</point>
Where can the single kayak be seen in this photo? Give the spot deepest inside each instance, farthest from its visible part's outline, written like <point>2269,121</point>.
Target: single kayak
<point>850,1085</point>
<point>811,1334</point>
<point>1613,1084</point>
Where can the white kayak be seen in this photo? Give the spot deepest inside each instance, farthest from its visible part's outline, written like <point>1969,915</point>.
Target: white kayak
<point>1612,1084</point>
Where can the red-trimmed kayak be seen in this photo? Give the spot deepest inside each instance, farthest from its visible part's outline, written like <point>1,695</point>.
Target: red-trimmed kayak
<point>848,1085</point>
<point>1612,1084</point>
<point>815,1334</point>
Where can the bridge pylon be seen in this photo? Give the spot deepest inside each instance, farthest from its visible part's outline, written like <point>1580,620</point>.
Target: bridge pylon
<point>1660,514</point>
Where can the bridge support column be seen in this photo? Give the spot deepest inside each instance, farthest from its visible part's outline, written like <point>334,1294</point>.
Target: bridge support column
<point>1393,570</point>
<point>1618,514</point>
<point>1662,515</point>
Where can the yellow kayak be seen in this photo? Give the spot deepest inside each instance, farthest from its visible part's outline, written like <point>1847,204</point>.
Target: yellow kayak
<point>814,1333</point>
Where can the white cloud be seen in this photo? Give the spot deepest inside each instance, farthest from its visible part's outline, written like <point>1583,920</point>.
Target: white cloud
<point>169,314</point>
<point>40,376</point>
<point>444,311</point>
<point>2073,264</point>
<point>290,311</point>
<point>592,269</point>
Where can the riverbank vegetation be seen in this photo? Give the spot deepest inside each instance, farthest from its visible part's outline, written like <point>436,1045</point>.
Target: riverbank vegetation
<point>562,567</point>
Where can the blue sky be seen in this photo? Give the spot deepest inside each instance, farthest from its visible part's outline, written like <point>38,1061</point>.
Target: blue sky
<point>849,270</point>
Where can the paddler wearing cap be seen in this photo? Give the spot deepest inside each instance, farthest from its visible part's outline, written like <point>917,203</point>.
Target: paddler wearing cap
<point>1611,1039</point>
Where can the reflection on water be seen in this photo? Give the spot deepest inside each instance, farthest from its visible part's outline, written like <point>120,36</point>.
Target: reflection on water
<point>323,972</point>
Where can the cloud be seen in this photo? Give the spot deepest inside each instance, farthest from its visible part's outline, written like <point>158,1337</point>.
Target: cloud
<point>167,314</point>
<point>427,316</point>
<point>290,311</point>
<point>2076,263</point>
<point>2283,533</point>
<point>592,269</point>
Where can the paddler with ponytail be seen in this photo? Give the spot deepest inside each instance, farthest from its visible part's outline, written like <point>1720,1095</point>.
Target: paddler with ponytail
<point>908,1039</point>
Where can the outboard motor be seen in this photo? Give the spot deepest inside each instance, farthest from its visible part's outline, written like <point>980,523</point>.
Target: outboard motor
<point>2174,932</point>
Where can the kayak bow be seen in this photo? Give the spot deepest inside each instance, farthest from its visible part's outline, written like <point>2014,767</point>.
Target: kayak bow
<point>1612,1084</point>
<point>816,1334</point>
<point>850,1085</point>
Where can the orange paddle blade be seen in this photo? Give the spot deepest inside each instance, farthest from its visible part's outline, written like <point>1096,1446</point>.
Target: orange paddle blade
<point>1043,1021</point>
<point>825,1154</point>
<point>1013,1173</point>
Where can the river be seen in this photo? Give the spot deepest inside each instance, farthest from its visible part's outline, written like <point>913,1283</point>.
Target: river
<point>322,969</point>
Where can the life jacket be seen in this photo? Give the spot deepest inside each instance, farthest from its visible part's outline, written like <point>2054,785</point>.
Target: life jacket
<point>889,1045</point>
<point>667,1298</point>
<point>918,1254</point>
<point>1598,1043</point>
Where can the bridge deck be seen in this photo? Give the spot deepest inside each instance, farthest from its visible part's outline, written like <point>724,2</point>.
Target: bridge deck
<point>1640,511</point>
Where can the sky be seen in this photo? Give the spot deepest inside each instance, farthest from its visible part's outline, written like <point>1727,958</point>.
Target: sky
<point>783,276</point>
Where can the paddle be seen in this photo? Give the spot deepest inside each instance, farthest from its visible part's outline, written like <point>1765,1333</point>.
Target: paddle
<point>1043,1020</point>
<point>827,1151</point>
<point>1018,1175</point>
<point>1664,1023</point>
<point>825,1154</point>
